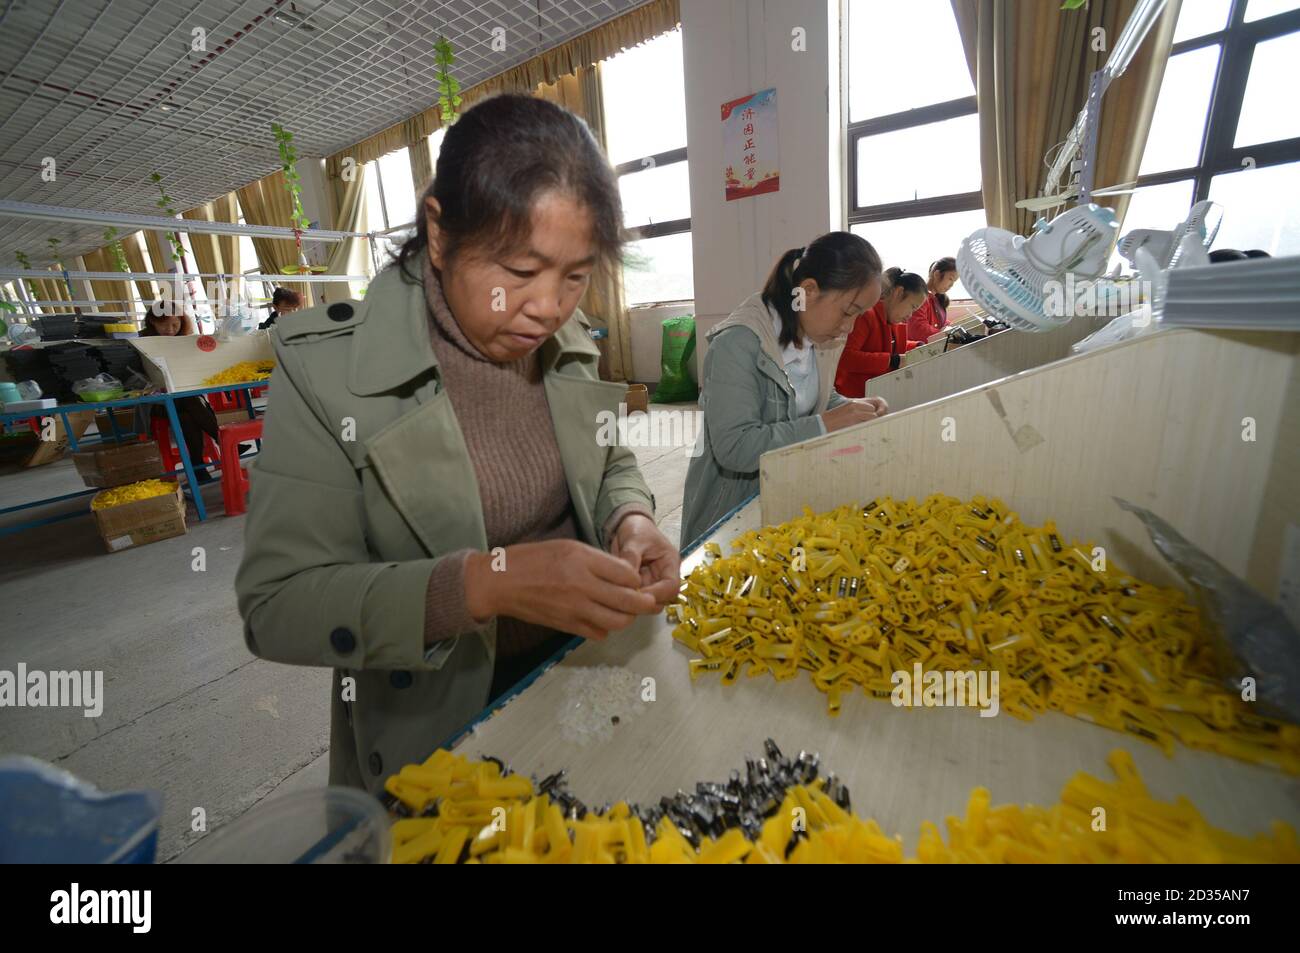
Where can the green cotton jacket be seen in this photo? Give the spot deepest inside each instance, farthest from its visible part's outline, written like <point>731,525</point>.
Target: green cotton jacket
<point>363,482</point>
<point>748,405</point>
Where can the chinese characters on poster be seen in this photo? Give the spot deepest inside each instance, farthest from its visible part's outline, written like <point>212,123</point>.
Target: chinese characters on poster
<point>749,147</point>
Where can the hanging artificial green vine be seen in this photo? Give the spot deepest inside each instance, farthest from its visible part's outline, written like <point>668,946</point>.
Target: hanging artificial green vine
<point>448,88</point>
<point>293,185</point>
<point>119,254</point>
<point>54,250</point>
<point>1073,4</point>
<point>165,203</point>
<point>292,181</point>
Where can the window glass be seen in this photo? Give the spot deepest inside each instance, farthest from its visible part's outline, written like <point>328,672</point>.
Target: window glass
<point>1199,17</point>
<point>645,99</point>
<point>659,269</point>
<point>1178,125</point>
<point>940,158</point>
<point>1268,109</point>
<point>1261,209</point>
<point>903,56</point>
<point>399,192</point>
<point>915,243</point>
<point>661,194</point>
<point>1259,9</point>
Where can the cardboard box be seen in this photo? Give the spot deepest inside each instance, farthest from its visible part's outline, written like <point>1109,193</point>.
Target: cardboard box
<point>183,363</point>
<point>47,451</point>
<point>119,464</point>
<point>125,417</point>
<point>142,522</point>
<point>638,398</point>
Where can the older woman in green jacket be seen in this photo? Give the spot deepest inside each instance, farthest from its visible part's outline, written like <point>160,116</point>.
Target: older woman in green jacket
<point>769,372</point>
<point>432,508</point>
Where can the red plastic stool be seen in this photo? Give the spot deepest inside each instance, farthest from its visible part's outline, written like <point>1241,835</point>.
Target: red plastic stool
<point>234,479</point>
<point>171,457</point>
<point>223,400</point>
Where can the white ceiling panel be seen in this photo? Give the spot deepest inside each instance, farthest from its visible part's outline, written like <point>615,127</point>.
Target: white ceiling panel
<point>112,90</point>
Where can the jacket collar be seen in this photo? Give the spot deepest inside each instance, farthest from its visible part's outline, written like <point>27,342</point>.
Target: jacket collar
<point>756,316</point>
<point>391,344</point>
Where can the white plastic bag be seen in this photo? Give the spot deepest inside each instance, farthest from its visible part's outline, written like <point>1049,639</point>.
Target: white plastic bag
<point>239,321</point>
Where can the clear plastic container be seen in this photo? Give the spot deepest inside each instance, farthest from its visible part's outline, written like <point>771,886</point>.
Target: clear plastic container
<point>333,825</point>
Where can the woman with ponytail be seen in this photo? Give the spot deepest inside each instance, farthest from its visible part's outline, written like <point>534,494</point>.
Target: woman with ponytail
<point>932,317</point>
<point>878,340</point>
<point>769,370</point>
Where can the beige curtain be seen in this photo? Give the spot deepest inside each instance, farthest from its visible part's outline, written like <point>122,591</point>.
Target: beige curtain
<point>135,258</point>
<point>348,212</point>
<point>160,251</point>
<point>1031,63</point>
<point>207,253</point>
<point>112,295</point>
<point>623,32</point>
<point>266,202</point>
<point>226,209</point>
<point>421,165</point>
<point>46,290</point>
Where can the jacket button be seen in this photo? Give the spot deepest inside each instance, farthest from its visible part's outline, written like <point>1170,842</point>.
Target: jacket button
<point>400,679</point>
<point>376,764</point>
<point>343,640</point>
<point>339,312</point>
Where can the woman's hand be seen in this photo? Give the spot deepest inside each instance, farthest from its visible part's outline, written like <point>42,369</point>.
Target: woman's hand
<point>638,542</point>
<point>881,405</point>
<point>561,584</point>
<point>854,411</point>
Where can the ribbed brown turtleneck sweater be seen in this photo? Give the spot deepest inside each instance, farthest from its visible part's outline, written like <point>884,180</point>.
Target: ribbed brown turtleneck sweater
<point>506,420</point>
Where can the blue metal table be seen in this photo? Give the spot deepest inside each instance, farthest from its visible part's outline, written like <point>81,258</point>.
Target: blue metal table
<point>7,420</point>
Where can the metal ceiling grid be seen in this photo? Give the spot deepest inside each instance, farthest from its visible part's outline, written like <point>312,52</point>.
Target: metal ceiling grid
<point>112,90</point>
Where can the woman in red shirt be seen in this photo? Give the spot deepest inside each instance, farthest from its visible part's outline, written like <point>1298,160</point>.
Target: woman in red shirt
<point>932,317</point>
<point>878,340</point>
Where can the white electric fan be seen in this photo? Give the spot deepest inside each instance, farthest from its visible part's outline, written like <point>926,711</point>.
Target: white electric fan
<point>1166,247</point>
<point>1033,284</point>
<point>1025,281</point>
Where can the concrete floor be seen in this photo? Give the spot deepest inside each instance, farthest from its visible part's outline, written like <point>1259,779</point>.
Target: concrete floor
<point>187,711</point>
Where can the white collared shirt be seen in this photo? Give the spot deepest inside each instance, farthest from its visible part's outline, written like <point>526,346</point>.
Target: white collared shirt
<point>801,368</point>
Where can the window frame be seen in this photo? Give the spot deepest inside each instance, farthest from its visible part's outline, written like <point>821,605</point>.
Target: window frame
<point>912,208</point>
<point>657,161</point>
<point>1237,41</point>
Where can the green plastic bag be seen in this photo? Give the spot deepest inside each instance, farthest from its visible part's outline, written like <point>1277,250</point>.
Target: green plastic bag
<point>677,363</point>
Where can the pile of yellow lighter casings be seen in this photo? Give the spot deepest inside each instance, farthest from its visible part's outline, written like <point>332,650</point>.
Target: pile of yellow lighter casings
<point>242,373</point>
<point>487,818</point>
<point>856,594</point>
<point>143,490</point>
